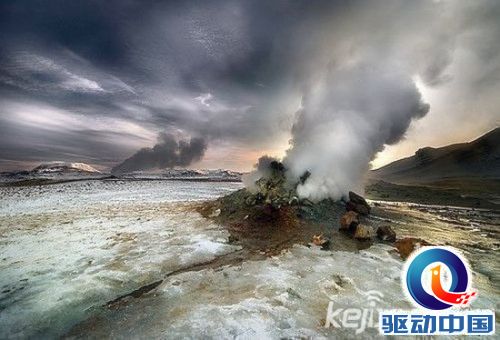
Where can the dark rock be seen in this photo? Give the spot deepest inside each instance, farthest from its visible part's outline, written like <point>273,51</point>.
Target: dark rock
<point>232,239</point>
<point>277,166</point>
<point>250,201</point>
<point>358,204</point>
<point>326,245</point>
<point>259,197</point>
<point>304,177</point>
<point>306,202</point>
<point>386,233</point>
<point>293,293</point>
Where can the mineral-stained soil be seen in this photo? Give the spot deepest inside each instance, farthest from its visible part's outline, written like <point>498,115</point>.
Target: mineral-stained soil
<point>265,229</point>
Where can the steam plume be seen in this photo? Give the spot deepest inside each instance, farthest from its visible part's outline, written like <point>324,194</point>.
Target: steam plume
<point>167,153</point>
<point>345,119</point>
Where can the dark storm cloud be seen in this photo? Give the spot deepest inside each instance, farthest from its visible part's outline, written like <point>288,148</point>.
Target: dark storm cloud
<point>222,70</point>
<point>85,27</point>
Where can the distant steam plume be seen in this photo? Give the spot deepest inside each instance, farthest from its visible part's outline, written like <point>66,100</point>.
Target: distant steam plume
<point>167,153</point>
<point>345,119</point>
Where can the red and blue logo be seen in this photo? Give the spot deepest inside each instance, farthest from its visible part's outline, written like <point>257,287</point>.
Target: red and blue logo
<point>438,278</point>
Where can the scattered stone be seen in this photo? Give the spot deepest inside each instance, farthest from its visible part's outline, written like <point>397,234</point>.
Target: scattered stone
<point>251,200</point>
<point>349,220</point>
<point>318,239</point>
<point>321,241</point>
<point>386,233</point>
<point>363,232</point>
<point>215,213</point>
<point>305,211</point>
<point>307,202</point>
<point>326,245</point>
<point>358,204</point>
<point>293,293</point>
<point>232,239</point>
<point>342,281</point>
<point>407,245</point>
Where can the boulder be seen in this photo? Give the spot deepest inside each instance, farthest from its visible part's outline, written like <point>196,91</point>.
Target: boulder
<point>251,200</point>
<point>306,202</point>
<point>349,220</point>
<point>304,177</point>
<point>386,233</point>
<point>363,232</point>
<point>407,245</point>
<point>321,241</point>
<point>293,201</point>
<point>358,204</point>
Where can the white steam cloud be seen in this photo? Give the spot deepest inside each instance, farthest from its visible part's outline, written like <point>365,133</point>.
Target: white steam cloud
<point>345,119</point>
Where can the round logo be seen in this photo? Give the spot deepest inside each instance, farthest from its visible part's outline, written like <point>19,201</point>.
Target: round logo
<point>437,278</point>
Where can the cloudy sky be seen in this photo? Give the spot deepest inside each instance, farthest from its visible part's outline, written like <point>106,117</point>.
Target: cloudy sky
<point>94,81</point>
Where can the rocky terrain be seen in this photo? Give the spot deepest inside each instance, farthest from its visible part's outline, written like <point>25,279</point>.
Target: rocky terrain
<point>479,158</point>
<point>458,193</point>
<point>464,175</point>
<point>271,217</point>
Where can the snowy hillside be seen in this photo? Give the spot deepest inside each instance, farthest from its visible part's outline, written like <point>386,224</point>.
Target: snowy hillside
<point>51,167</point>
<point>53,171</point>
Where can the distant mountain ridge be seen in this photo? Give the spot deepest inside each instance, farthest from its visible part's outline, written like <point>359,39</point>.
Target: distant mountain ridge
<point>479,158</point>
<point>52,167</point>
<point>64,171</point>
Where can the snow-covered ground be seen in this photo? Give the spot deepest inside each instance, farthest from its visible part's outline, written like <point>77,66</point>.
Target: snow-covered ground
<point>68,249</point>
<point>286,296</point>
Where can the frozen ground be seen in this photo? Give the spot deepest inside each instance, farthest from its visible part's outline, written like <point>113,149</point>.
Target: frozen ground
<point>69,247</point>
<point>75,259</point>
